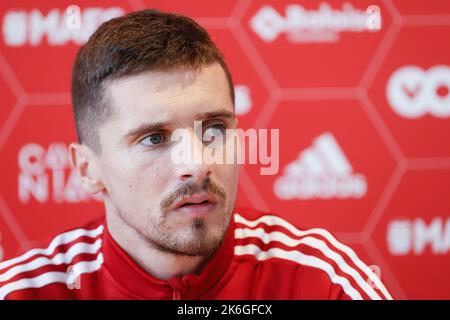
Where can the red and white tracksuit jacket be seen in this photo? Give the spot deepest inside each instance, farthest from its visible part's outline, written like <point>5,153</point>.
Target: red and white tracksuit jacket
<point>262,257</point>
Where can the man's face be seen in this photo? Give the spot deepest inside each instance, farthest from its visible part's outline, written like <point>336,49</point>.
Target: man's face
<point>143,185</point>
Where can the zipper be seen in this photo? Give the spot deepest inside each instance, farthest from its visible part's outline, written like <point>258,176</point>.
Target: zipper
<point>176,295</point>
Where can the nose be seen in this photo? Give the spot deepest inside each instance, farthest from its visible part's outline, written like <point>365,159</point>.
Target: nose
<point>196,169</point>
<point>196,173</point>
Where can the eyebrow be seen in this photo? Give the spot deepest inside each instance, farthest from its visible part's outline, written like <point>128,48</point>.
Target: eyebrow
<point>158,126</point>
<point>216,114</point>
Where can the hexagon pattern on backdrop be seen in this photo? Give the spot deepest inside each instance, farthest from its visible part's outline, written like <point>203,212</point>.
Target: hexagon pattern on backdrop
<point>362,106</point>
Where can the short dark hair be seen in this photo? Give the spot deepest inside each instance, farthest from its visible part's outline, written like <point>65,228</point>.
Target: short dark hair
<point>147,40</point>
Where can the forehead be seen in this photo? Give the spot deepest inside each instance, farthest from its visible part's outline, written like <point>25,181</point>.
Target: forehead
<point>162,96</point>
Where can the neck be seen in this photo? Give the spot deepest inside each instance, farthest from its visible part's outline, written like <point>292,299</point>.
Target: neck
<point>160,264</point>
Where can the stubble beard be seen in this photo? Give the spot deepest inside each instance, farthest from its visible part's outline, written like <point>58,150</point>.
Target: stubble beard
<point>198,238</point>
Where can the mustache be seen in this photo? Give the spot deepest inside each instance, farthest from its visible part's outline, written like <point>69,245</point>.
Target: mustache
<point>190,188</point>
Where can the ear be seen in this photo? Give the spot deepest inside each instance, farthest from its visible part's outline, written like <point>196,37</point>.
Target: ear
<point>85,163</point>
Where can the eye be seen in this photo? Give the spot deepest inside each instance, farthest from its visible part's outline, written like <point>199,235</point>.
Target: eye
<point>215,130</point>
<point>152,139</point>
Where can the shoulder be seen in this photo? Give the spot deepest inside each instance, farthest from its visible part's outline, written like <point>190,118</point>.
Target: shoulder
<point>316,253</point>
<point>58,260</point>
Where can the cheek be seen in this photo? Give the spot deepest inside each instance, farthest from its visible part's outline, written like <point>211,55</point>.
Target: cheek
<point>151,186</point>
<point>121,184</point>
<point>132,182</point>
<point>228,175</point>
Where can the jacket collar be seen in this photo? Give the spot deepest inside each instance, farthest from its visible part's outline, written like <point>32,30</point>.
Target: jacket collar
<point>144,285</point>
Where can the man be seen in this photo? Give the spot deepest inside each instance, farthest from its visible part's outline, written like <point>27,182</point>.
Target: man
<point>171,230</point>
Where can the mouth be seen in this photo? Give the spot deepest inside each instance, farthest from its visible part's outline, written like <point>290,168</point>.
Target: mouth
<point>197,204</point>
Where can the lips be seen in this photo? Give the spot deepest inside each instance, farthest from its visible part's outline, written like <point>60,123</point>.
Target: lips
<point>195,199</point>
<point>197,204</point>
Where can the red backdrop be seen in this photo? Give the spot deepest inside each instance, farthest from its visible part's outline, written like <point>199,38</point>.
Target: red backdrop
<point>364,119</point>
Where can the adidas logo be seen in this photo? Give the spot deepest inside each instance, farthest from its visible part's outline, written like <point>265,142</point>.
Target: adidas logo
<point>320,172</point>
